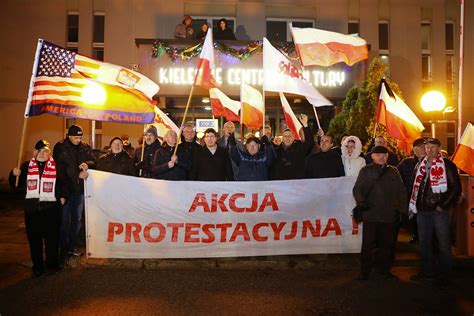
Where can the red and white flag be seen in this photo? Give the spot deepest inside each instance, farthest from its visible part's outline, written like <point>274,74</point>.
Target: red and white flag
<point>323,48</point>
<point>163,123</point>
<point>290,117</point>
<point>398,118</point>
<point>204,78</point>
<point>224,106</point>
<point>464,155</point>
<point>280,75</point>
<point>253,107</point>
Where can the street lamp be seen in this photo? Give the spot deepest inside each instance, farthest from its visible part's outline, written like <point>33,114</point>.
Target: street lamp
<point>433,101</point>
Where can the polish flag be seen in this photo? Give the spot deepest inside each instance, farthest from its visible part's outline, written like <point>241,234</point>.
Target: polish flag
<point>464,155</point>
<point>280,75</point>
<point>398,118</point>
<point>204,78</point>
<point>290,118</point>
<point>222,105</point>
<point>253,107</point>
<point>323,48</point>
<point>163,123</point>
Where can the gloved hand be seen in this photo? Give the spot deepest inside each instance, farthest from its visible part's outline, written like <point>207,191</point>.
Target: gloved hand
<point>264,140</point>
<point>140,164</point>
<point>231,140</point>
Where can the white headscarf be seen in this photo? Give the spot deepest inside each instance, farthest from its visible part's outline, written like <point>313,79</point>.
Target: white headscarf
<point>357,149</point>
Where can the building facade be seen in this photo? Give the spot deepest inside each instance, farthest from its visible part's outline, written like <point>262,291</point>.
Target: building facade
<point>417,39</point>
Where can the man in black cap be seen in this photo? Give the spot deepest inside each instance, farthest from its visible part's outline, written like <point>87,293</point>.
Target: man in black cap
<point>151,143</point>
<point>42,207</point>
<point>379,187</point>
<point>117,160</point>
<point>436,188</point>
<point>406,168</point>
<point>73,158</point>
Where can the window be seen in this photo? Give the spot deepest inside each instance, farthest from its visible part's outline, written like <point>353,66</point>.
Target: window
<point>450,75</point>
<point>72,29</point>
<point>98,53</point>
<point>99,34</point>
<point>426,67</point>
<point>386,61</point>
<point>278,30</point>
<point>353,27</point>
<point>425,36</point>
<point>383,35</point>
<point>449,36</point>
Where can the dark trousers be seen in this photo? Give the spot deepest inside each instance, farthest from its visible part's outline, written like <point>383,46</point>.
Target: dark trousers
<point>376,235</point>
<point>42,226</point>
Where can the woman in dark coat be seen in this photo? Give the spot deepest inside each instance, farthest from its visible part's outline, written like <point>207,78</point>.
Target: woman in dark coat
<point>222,32</point>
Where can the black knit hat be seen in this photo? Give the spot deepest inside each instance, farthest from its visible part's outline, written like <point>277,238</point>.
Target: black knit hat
<point>116,137</point>
<point>42,144</point>
<point>419,142</point>
<point>379,150</point>
<point>75,130</point>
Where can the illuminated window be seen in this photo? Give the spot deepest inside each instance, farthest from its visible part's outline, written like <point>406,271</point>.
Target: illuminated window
<point>426,67</point>
<point>425,36</point>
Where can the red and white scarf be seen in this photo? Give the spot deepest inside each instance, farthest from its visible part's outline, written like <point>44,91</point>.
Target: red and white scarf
<point>437,178</point>
<point>41,188</point>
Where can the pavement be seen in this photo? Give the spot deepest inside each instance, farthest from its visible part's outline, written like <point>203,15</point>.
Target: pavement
<point>272,285</point>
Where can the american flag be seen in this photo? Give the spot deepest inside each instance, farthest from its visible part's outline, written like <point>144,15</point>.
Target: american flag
<point>60,76</point>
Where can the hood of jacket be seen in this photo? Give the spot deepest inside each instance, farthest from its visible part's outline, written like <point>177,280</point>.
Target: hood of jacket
<point>357,149</point>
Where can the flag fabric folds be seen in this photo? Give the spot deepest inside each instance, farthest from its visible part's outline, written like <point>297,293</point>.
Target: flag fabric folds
<point>398,118</point>
<point>464,154</point>
<point>323,48</point>
<point>67,84</point>
<point>163,123</point>
<point>290,118</point>
<point>204,78</point>
<point>280,75</point>
<point>222,105</point>
<point>253,107</point>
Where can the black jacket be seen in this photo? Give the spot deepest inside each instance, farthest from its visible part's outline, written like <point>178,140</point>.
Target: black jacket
<point>33,205</point>
<point>68,157</point>
<point>290,162</point>
<point>225,34</point>
<point>147,157</point>
<point>406,168</point>
<point>324,165</point>
<point>388,196</point>
<point>160,169</point>
<point>252,168</point>
<point>209,167</point>
<point>427,201</point>
<point>120,163</point>
<point>190,148</point>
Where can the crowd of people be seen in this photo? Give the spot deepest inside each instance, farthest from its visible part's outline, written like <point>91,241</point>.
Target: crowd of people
<point>424,186</point>
<point>185,30</point>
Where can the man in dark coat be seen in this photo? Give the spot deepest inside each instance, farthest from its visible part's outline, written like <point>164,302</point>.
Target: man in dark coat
<point>168,166</point>
<point>211,162</point>
<point>381,189</point>
<point>436,189</point>
<point>326,163</point>
<point>117,159</point>
<point>190,144</point>
<point>73,158</point>
<point>291,154</point>
<point>151,143</point>
<point>42,207</point>
<point>406,168</point>
<point>227,130</point>
<point>254,161</point>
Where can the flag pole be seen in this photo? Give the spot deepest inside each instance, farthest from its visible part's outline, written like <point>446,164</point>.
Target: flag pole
<point>461,62</point>
<point>241,114</point>
<point>375,130</point>
<point>184,118</point>
<point>22,145</point>
<point>263,125</point>
<point>143,149</point>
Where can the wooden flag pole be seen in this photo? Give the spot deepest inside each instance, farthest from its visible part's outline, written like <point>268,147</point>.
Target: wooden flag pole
<point>263,126</point>
<point>22,145</point>
<point>143,149</point>
<point>375,129</point>
<point>316,115</point>
<point>184,119</point>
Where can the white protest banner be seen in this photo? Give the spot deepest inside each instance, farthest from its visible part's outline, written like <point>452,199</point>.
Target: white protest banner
<point>129,217</point>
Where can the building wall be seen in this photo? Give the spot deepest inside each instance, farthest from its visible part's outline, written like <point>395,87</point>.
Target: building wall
<point>24,21</point>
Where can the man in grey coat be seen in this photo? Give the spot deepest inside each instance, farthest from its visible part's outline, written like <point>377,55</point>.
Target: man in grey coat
<point>379,187</point>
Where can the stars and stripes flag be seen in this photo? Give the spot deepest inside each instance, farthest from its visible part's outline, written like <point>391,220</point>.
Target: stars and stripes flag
<point>68,84</point>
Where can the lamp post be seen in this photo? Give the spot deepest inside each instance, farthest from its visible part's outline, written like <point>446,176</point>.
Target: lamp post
<point>433,101</point>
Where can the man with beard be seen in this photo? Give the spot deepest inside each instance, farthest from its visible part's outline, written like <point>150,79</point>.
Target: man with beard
<point>151,144</point>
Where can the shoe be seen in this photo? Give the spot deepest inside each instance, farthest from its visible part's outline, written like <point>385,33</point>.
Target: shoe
<point>76,253</point>
<point>363,277</point>
<point>421,277</point>
<point>390,276</point>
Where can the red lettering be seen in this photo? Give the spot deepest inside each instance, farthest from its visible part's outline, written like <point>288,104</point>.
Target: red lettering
<point>132,229</point>
<point>240,230</point>
<point>199,200</point>
<point>161,232</point>
<point>206,229</point>
<point>293,231</point>
<point>254,205</point>
<point>114,229</point>
<point>175,230</point>
<point>332,225</point>
<point>232,200</point>
<point>256,234</point>
<point>314,230</point>
<point>219,202</point>
<point>224,228</point>
<point>191,230</point>
<point>269,200</point>
<point>277,229</point>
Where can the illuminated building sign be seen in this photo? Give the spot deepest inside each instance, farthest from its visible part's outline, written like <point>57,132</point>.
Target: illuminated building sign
<point>175,77</point>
